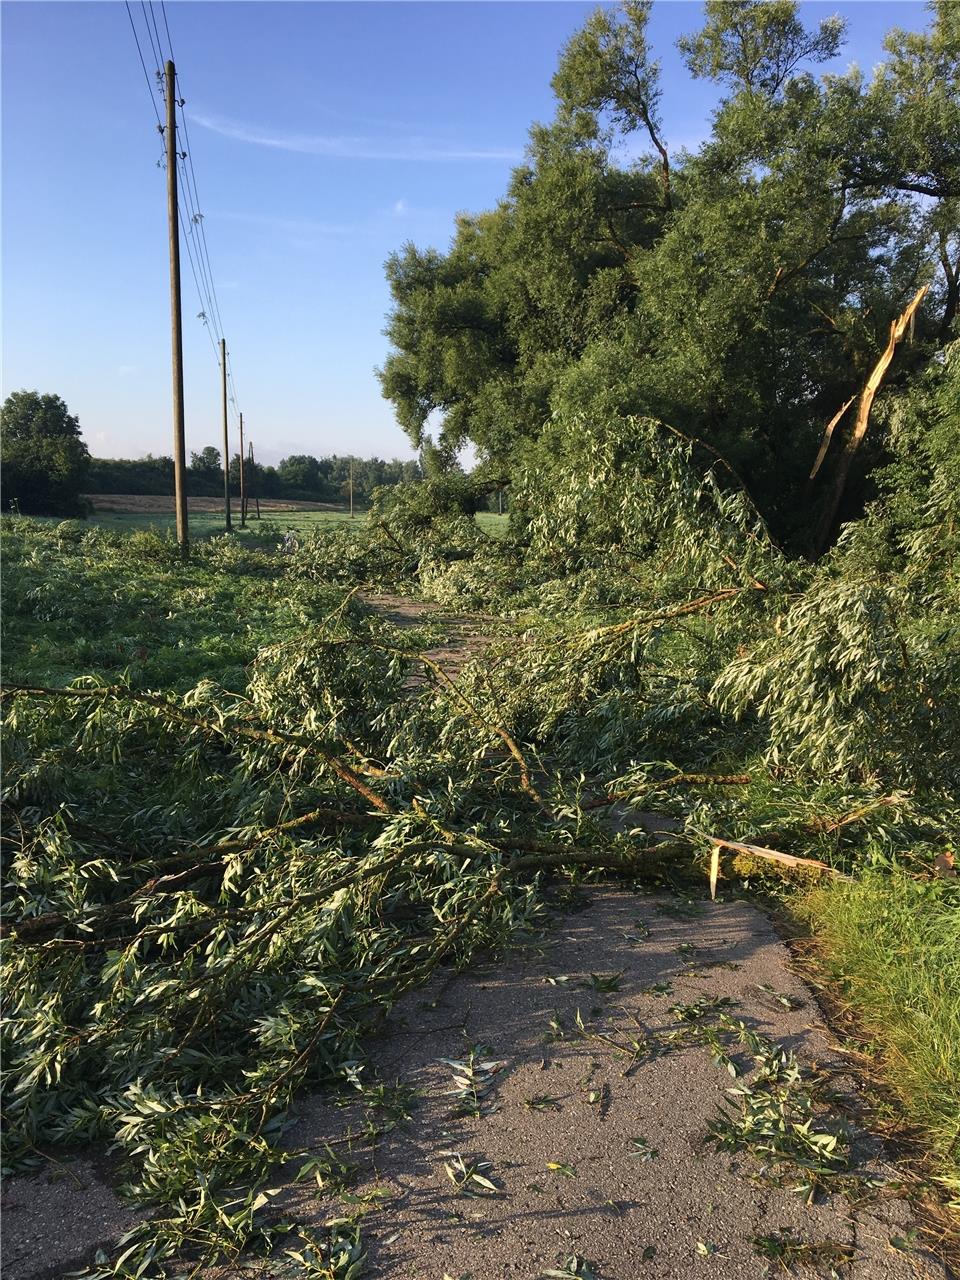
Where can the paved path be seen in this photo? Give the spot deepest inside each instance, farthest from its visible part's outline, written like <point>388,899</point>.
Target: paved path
<point>466,635</point>
<point>688,1211</point>
<point>636,1190</point>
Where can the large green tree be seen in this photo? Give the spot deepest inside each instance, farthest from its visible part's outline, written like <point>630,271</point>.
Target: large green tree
<point>43,460</point>
<point>742,293</point>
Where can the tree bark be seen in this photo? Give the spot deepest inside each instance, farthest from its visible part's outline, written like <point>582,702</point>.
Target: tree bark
<point>898,328</point>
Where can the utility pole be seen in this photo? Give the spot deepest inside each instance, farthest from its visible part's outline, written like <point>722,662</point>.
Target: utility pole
<point>243,481</point>
<point>176,325</point>
<point>226,437</point>
<point>256,496</point>
<point>351,486</point>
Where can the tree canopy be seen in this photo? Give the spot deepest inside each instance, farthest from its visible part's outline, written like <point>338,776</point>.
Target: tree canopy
<point>742,294</point>
<point>44,460</point>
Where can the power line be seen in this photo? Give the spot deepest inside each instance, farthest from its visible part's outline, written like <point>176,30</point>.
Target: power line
<point>203,234</point>
<point>199,255</point>
<point>202,291</point>
<point>193,270</point>
<point>146,73</point>
<point>163,11</point>
<point>192,221</point>
<point>234,394</point>
<point>191,216</point>
<point>155,47</point>
<point>156,32</point>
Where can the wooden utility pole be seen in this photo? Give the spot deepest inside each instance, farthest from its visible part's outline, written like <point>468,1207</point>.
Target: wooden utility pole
<point>243,481</point>
<point>226,437</point>
<point>351,486</point>
<point>256,497</point>
<point>176,325</point>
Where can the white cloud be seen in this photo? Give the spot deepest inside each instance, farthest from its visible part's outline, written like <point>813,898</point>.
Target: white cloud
<point>400,208</point>
<point>345,147</point>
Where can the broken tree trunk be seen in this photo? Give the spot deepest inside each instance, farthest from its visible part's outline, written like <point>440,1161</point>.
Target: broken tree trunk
<point>774,855</point>
<point>898,328</point>
<point>828,436</point>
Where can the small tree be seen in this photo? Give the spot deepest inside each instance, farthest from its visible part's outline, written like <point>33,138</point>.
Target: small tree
<point>206,463</point>
<point>44,460</point>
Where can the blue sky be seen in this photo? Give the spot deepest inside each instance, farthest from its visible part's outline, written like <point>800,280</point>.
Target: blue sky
<point>323,136</point>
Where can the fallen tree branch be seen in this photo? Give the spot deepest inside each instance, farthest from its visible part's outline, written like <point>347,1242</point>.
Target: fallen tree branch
<point>774,855</point>
<point>530,853</point>
<point>450,685</point>
<point>33,929</point>
<point>679,779</point>
<point>663,615</point>
<point>854,815</point>
<point>173,712</point>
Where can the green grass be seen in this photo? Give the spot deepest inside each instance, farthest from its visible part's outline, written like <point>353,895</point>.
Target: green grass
<point>205,524</point>
<point>127,608</point>
<point>493,525</point>
<point>892,946</point>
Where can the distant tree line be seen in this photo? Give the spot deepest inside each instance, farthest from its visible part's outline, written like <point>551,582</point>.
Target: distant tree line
<point>300,477</point>
<point>45,467</point>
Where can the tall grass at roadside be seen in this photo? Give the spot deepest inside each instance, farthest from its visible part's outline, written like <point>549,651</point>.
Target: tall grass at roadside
<point>892,945</point>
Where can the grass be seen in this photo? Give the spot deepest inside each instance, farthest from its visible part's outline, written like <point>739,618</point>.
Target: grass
<point>204,524</point>
<point>891,945</point>
<point>132,611</point>
<point>492,524</point>
<point>785,1249</point>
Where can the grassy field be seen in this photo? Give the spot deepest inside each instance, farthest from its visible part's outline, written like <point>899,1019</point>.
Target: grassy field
<point>495,526</point>
<point>122,512</point>
<point>203,524</point>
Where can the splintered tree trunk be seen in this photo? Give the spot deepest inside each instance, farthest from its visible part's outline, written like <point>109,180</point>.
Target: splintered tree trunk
<point>897,329</point>
<point>828,436</point>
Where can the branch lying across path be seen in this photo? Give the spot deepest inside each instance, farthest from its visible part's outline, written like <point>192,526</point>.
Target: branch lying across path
<point>528,855</point>
<point>524,853</point>
<point>774,855</point>
<point>226,730</point>
<point>678,780</point>
<point>33,929</point>
<point>169,863</point>
<point>173,870</point>
<point>449,685</point>
<point>665,615</point>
